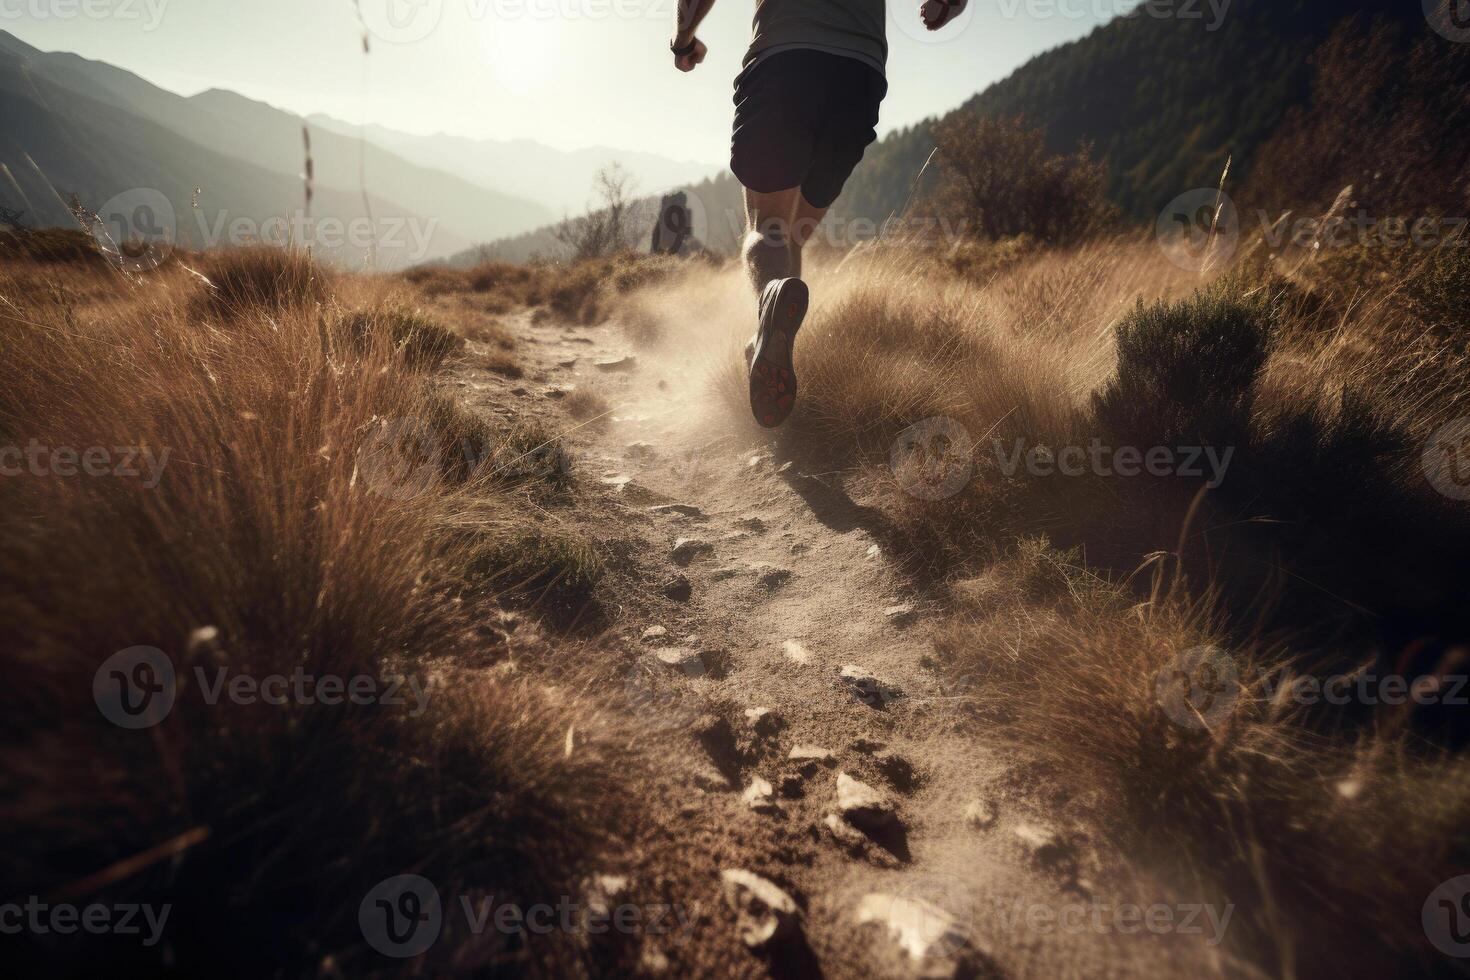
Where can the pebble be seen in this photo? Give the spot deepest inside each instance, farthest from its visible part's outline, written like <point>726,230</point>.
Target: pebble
<point>763,911</point>
<point>774,577</point>
<point>683,659</point>
<point>980,813</point>
<point>928,936</point>
<point>687,549</point>
<point>867,688</point>
<point>677,588</point>
<point>796,653</point>
<point>900,615</point>
<point>759,795</point>
<point>688,510</point>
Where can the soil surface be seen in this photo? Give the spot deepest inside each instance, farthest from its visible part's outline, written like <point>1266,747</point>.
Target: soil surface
<point>972,859</point>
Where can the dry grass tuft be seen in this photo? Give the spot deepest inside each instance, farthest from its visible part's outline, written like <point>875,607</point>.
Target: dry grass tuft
<point>1320,549</point>
<point>421,340</point>
<point>260,279</point>
<point>587,405</point>
<point>275,534</point>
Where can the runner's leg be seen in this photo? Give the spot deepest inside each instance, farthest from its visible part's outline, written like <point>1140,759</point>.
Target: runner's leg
<point>803,227</point>
<point>768,250</point>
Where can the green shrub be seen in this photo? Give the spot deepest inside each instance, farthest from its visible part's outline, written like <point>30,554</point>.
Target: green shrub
<point>1187,371</point>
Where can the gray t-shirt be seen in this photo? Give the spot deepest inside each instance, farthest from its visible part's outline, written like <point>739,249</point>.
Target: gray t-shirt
<point>853,28</point>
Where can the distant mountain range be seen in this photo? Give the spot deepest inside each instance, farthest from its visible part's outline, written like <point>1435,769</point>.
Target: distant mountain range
<point>558,179</point>
<point>233,169</point>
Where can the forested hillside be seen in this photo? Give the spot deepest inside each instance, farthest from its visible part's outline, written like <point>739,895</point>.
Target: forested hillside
<point>1164,101</point>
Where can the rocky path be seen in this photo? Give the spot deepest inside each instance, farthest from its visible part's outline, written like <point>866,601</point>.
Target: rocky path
<point>859,832</point>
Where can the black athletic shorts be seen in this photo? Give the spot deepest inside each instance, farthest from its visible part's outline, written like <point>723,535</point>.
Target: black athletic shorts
<point>803,118</point>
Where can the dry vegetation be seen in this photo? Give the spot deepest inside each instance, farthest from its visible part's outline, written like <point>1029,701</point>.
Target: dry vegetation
<point>1323,551</point>
<point>295,525</point>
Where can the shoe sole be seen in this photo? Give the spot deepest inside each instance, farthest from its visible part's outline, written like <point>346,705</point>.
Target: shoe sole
<point>772,373</point>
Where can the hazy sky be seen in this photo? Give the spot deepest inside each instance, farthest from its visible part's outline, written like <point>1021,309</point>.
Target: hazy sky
<point>570,73</point>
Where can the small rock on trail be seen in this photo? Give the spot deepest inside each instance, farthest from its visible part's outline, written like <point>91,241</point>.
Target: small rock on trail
<point>681,659</point>
<point>759,795</point>
<point>980,814</point>
<point>796,653</point>
<point>927,940</point>
<point>687,510</point>
<point>687,549</point>
<point>763,721</point>
<point>773,578</point>
<point>764,912</point>
<point>1046,848</point>
<point>677,588</point>
<point>901,614</point>
<point>867,688</point>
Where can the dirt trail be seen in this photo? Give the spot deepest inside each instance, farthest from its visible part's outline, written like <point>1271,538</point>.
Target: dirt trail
<point>787,587</point>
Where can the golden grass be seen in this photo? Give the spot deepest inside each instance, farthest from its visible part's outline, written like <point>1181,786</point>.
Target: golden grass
<point>1322,550</point>
<point>294,524</point>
